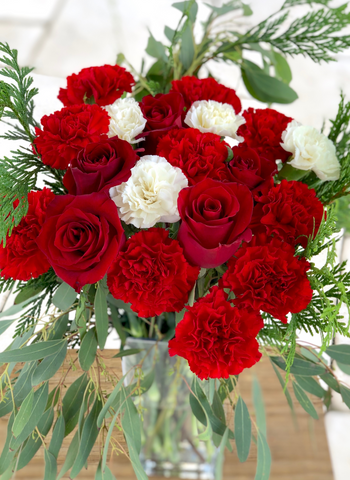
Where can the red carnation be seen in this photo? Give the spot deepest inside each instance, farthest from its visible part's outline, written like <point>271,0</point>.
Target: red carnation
<point>21,258</point>
<point>265,275</point>
<point>290,211</point>
<point>249,167</point>
<point>215,218</point>
<point>217,338</point>
<point>81,237</point>
<point>263,131</point>
<point>152,274</point>
<point>199,155</point>
<point>67,131</point>
<point>99,166</point>
<point>193,89</point>
<point>104,85</point>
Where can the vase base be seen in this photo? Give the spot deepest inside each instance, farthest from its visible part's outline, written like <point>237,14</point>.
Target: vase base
<point>183,470</point>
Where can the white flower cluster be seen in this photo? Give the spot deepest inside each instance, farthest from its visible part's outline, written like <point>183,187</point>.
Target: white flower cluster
<point>126,119</point>
<point>311,150</point>
<point>214,117</point>
<point>150,194</point>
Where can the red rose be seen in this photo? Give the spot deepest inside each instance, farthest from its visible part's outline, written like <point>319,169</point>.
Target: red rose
<point>193,89</point>
<point>199,155</point>
<point>250,168</point>
<point>162,112</point>
<point>152,274</point>
<point>67,131</point>
<point>100,165</point>
<point>263,131</point>
<point>21,259</point>
<point>217,338</point>
<point>215,217</point>
<point>81,237</point>
<point>103,84</point>
<point>290,211</point>
<point>266,275</point>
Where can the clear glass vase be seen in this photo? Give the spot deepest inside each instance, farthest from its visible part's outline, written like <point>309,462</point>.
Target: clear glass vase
<point>170,444</point>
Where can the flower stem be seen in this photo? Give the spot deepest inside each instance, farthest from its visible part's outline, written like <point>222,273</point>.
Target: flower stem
<point>151,328</point>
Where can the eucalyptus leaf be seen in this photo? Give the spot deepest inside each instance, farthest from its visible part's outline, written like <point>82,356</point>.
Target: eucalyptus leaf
<point>50,465</point>
<point>23,384</point>
<point>345,394</point>
<point>88,349</point>
<point>156,49</point>
<point>282,68</point>
<point>35,351</point>
<point>17,308</point>
<point>225,8</point>
<point>169,33</point>
<point>131,423</point>
<point>127,352</point>
<point>344,368</point>
<point>88,438</point>
<point>64,297</point>
<point>221,456</point>
<point>243,430</point>
<point>71,456</point>
<point>310,385</point>
<point>59,328</point>
<point>104,475</point>
<point>57,436</point>
<point>264,458</point>
<point>329,379</point>
<point>50,365</point>
<point>134,457</point>
<point>7,454</point>
<point>101,315</point>
<point>117,324</point>
<point>109,402</point>
<point>340,353</point>
<point>24,414</point>
<point>72,402</point>
<point>217,407</point>
<point>27,293</point>
<point>304,401</point>
<point>300,367</point>
<point>285,390</point>
<point>184,8</point>
<point>259,406</point>
<point>187,50</point>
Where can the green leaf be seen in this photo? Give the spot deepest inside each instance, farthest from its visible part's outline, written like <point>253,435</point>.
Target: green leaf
<point>39,405</point>
<point>50,466</point>
<point>117,324</point>
<point>24,414</point>
<point>101,315</point>
<point>304,401</point>
<point>109,402</point>
<point>345,394</point>
<point>187,46</point>
<point>104,475</point>
<point>57,436</point>
<point>33,352</point>
<point>282,68</point>
<point>88,438</point>
<point>344,368</point>
<point>265,88</point>
<point>243,430</point>
<point>220,458</point>
<point>310,385</point>
<point>189,8</point>
<point>134,457</point>
<point>50,365</point>
<point>33,443</point>
<point>4,325</point>
<point>340,353</point>
<point>156,49</point>
<point>264,458</point>
<point>218,408</point>
<point>59,328</point>
<point>23,384</point>
<point>285,390</point>
<point>109,434</point>
<point>247,11</point>
<point>71,456</point>
<point>225,8</point>
<point>127,352</point>
<point>259,406</point>
<point>27,293</point>
<point>72,402</point>
<point>144,386</point>
<point>88,349</point>
<point>330,381</point>
<point>6,454</point>
<point>16,308</point>
<point>131,422</point>
<point>64,297</point>
<point>300,367</point>
<point>169,33</point>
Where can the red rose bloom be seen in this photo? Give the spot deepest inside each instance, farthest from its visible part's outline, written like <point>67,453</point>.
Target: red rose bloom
<point>217,338</point>
<point>81,237</point>
<point>152,274</point>
<point>215,217</point>
<point>266,275</point>
<point>250,168</point>
<point>67,131</point>
<point>199,155</point>
<point>290,211</point>
<point>263,131</point>
<point>193,89</point>
<point>103,84</point>
<point>21,259</point>
<point>99,166</point>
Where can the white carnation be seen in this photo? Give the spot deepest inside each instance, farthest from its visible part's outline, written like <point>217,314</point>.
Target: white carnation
<point>126,120</point>
<point>214,117</point>
<point>311,150</point>
<point>150,194</point>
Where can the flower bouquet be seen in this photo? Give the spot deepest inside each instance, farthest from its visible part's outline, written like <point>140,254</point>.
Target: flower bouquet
<point>152,205</point>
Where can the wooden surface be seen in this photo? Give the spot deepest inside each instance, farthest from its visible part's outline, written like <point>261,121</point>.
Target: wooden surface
<point>299,451</point>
